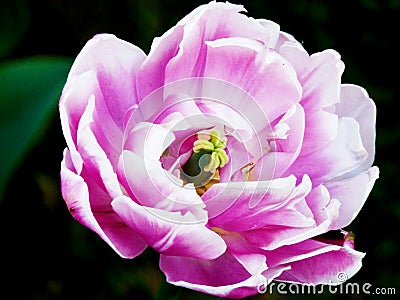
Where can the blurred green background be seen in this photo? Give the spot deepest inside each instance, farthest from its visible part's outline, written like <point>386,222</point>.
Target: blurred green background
<point>45,254</point>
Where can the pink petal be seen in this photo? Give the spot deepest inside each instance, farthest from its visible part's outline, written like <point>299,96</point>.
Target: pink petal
<point>73,104</point>
<point>242,206</point>
<point>344,154</point>
<point>297,252</point>
<point>115,63</point>
<point>170,233</point>
<point>148,140</point>
<point>250,257</point>
<point>223,277</point>
<point>321,128</point>
<point>319,74</point>
<point>78,196</point>
<point>102,183</point>
<point>262,73</point>
<point>352,193</point>
<point>293,51</point>
<point>355,103</point>
<point>150,185</point>
<point>324,213</point>
<point>321,80</point>
<point>147,181</point>
<point>239,156</point>
<point>294,119</point>
<point>274,163</point>
<point>272,30</point>
<point>94,158</point>
<point>181,113</point>
<point>227,113</point>
<point>151,75</point>
<point>97,73</point>
<point>208,23</point>
<point>325,268</point>
<point>203,103</point>
<point>218,20</point>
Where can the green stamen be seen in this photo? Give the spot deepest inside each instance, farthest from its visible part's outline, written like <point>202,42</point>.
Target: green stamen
<point>208,155</point>
<point>216,146</point>
<point>202,145</point>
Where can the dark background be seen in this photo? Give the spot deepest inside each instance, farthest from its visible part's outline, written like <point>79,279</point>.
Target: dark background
<point>45,254</point>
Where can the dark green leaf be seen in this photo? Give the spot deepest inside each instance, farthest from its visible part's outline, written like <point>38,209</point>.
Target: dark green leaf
<point>29,92</point>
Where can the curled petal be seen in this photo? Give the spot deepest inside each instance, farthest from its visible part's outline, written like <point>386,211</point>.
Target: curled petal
<point>331,267</point>
<point>79,197</point>
<point>286,150</point>
<point>223,277</point>
<point>352,193</point>
<point>240,206</point>
<point>323,211</point>
<point>321,80</point>
<point>151,75</point>
<point>170,232</point>
<point>247,64</point>
<point>293,51</point>
<point>115,63</point>
<point>209,23</point>
<point>355,103</point>
<point>93,156</point>
<point>344,154</point>
<point>145,179</point>
<point>239,156</point>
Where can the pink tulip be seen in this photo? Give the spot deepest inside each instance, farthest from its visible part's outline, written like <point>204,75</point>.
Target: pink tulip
<point>228,149</point>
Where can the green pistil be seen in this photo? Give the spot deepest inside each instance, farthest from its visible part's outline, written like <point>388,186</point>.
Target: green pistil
<point>214,146</point>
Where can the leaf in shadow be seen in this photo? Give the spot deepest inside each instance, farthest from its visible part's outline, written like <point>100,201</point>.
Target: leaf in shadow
<point>29,92</point>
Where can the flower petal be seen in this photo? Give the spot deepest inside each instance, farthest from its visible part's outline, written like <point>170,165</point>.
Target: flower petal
<point>243,206</point>
<point>210,22</point>
<point>79,193</point>
<point>319,73</point>
<point>355,103</point>
<point>247,64</point>
<point>151,75</point>
<point>93,156</point>
<point>321,80</point>
<point>115,63</point>
<point>223,277</point>
<point>321,128</point>
<point>296,252</point>
<point>239,156</point>
<point>150,185</point>
<point>170,233</point>
<point>293,51</point>
<point>246,254</point>
<point>352,193</point>
<point>146,180</point>
<point>324,213</point>
<point>283,151</point>
<point>327,268</point>
<point>344,154</point>
<point>73,102</point>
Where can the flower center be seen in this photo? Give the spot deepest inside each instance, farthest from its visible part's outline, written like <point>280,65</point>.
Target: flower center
<point>214,146</point>
<point>208,156</point>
